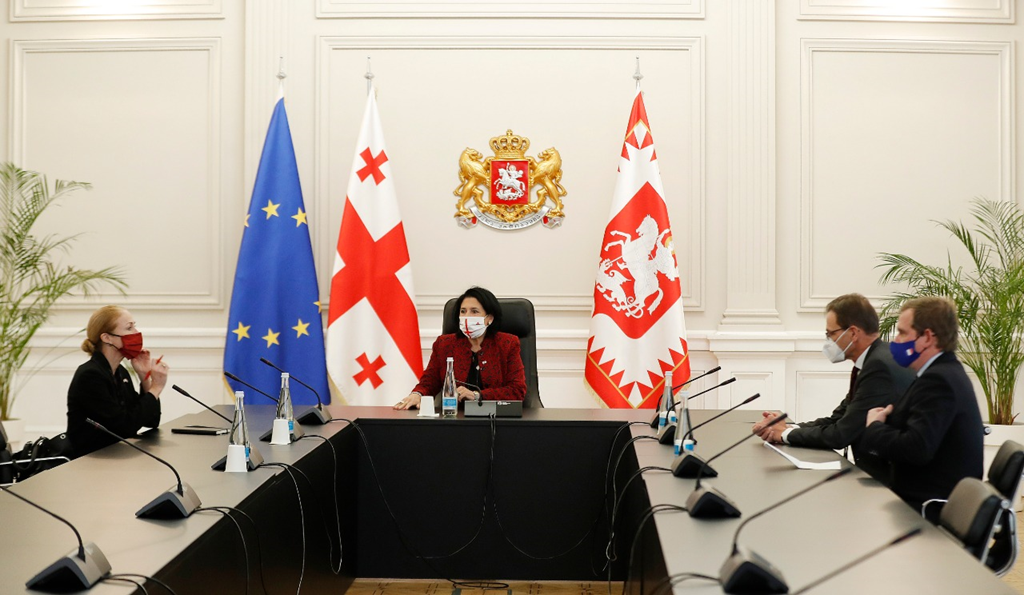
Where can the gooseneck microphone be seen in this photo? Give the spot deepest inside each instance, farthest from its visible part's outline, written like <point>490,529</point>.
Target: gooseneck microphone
<point>692,465</point>
<point>878,550</point>
<point>231,376</point>
<point>654,422</point>
<point>749,399</point>
<point>747,572</point>
<point>316,416</point>
<point>667,434</point>
<point>211,409</point>
<point>177,502</point>
<point>79,569</point>
<point>706,502</point>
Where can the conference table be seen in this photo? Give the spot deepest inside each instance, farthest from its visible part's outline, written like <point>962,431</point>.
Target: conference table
<point>380,493</point>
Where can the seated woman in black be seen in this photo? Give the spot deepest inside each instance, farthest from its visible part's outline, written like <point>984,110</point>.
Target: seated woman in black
<point>102,389</point>
<point>487,363</point>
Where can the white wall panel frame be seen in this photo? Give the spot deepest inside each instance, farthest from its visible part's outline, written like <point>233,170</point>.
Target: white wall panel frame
<point>693,299</point>
<point>169,300</point>
<point>941,11</point>
<point>811,298</point>
<point>92,10</point>
<point>578,9</point>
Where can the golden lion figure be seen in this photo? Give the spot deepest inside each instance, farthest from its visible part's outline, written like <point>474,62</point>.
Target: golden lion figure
<point>472,173</point>
<point>547,173</point>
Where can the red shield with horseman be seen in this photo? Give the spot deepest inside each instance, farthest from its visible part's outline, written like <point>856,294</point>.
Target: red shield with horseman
<point>510,182</point>
<point>637,280</point>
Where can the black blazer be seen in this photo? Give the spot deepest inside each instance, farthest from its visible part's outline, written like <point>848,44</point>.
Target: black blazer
<point>110,399</point>
<point>933,437</point>
<point>880,382</point>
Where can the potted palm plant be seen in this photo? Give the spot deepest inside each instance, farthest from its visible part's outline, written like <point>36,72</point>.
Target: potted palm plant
<point>989,296</point>
<point>31,279</point>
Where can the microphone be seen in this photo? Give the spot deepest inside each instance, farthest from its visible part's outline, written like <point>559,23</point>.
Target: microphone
<point>749,399</point>
<point>709,502</point>
<point>316,416</point>
<point>878,550</point>
<point>654,422</point>
<point>77,570</point>
<point>231,376</point>
<point>182,391</point>
<point>176,503</point>
<point>747,572</point>
<point>667,434</point>
<point>692,465</point>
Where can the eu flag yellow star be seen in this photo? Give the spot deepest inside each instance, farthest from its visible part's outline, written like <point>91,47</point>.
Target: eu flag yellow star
<point>271,337</point>
<point>300,218</point>
<point>271,209</point>
<point>247,219</point>
<point>301,329</point>
<point>319,307</point>
<point>242,331</point>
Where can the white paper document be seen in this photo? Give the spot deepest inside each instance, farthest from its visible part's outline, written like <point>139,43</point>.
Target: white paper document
<point>804,464</point>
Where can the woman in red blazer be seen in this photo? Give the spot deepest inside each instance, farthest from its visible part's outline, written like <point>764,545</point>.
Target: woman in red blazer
<point>488,364</point>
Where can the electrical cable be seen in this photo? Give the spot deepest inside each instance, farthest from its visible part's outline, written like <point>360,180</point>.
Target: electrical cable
<point>241,536</point>
<point>255,529</point>
<point>337,508</point>
<point>616,500</point>
<point>114,578</point>
<point>302,518</point>
<point>120,575</point>
<point>648,515</point>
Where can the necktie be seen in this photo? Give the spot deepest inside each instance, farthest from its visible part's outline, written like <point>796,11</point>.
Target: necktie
<point>853,380</point>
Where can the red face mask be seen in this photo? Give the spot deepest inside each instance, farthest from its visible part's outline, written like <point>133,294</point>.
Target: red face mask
<point>131,345</point>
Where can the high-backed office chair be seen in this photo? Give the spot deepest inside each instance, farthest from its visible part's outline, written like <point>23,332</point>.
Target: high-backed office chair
<point>518,319</point>
<point>971,515</point>
<point>1004,474</point>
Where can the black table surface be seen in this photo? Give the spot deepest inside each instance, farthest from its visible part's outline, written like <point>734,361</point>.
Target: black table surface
<point>806,539</point>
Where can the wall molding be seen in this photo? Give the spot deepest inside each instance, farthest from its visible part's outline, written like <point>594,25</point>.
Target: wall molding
<point>934,11</point>
<point>77,10</point>
<point>461,9</point>
<point>693,269</point>
<point>167,300</point>
<point>812,299</point>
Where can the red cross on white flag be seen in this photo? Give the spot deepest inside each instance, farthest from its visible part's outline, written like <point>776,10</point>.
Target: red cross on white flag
<point>637,332</point>
<point>373,338</point>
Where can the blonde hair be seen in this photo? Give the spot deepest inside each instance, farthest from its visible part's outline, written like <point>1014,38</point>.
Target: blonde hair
<point>101,321</point>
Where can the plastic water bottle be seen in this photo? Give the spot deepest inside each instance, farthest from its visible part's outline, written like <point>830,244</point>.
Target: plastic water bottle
<point>684,439</point>
<point>670,408</point>
<point>449,396</point>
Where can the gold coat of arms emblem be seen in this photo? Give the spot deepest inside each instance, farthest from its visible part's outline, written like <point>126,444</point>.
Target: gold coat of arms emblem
<point>520,190</point>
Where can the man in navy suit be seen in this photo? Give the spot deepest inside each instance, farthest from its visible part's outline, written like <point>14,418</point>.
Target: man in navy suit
<point>933,435</point>
<point>851,334</point>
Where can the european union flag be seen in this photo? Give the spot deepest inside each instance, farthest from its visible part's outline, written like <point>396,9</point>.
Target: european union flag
<point>275,305</point>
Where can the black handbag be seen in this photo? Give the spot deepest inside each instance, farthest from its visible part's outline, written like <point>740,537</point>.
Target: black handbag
<point>41,454</point>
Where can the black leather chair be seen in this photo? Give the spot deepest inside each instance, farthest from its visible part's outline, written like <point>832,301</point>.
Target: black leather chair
<point>518,319</point>
<point>971,515</point>
<point>1005,475</point>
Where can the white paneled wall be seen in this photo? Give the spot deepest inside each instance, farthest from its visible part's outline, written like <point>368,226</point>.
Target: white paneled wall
<point>796,139</point>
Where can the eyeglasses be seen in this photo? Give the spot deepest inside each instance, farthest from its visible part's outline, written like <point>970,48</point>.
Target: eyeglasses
<point>828,334</point>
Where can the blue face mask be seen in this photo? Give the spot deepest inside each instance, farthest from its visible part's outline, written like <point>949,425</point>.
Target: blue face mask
<point>904,353</point>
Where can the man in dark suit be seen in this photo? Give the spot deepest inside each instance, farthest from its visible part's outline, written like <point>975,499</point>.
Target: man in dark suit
<point>851,333</point>
<point>933,435</point>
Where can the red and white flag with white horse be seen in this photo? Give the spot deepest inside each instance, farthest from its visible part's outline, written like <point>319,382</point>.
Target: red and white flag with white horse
<point>637,332</point>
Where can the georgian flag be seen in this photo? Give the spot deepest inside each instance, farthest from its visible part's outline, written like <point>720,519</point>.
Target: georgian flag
<point>637,332</point>
<point>373,340</point>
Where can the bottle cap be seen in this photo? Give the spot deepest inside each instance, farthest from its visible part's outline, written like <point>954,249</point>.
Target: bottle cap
<point>239,394</point>
<point>450,359</point>
<point>285,375</point>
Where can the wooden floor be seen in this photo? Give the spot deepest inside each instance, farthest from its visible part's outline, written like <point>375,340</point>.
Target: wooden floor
<point>369,586</point>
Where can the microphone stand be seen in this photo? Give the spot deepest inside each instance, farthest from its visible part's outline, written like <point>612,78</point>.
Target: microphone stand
<point>208,408</point>
<point>315,416</point>
<point>178,502</point>
<point>654,421</point>
<point>667,434</point>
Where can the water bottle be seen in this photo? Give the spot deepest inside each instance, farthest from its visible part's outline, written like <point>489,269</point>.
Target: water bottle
<point>284,430</point>
<point>238,441</point>
<point>449,396</point>
<point>684,439</point>
<point>666,402</point>
<point>670,410</point>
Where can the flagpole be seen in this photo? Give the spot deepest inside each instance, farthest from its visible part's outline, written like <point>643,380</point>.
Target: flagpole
<point>280,77</point>
<point>637,75</point>
<point>368,76</point>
